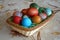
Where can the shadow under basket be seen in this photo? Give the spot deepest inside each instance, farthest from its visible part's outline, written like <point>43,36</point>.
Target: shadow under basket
<point>29,31</point>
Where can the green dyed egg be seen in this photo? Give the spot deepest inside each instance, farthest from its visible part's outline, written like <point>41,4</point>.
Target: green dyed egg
<point>41,10</point>
<point>34,5</point>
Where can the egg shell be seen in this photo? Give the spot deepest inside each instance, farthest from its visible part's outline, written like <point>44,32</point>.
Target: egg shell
<point>26,21</point>
<point>32,12</point>
<point>41,10</point>
<point>17,13</point>
<point>48,11</point>
<point>24,11</point>
<point>43,15</point>
<point>36,19</point>
<point>17,19</point>
<point>34,5</point>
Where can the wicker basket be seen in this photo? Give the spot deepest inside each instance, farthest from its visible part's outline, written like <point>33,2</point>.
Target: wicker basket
<point>29,31</point>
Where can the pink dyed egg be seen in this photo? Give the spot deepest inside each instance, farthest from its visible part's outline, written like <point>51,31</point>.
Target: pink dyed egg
<point>43,15</point>
<point>17,13</point>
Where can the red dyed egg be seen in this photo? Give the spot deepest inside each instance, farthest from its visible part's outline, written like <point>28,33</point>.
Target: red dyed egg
<point>24,11</point>
<point>32,12</point>
<point>17,19</point>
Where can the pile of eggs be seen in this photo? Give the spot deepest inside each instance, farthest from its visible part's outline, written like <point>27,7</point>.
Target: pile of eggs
<point>33,14</point>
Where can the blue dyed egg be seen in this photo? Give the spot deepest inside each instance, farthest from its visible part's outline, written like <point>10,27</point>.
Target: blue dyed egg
<point>26,22</point>
<point>48,11</point>
<point>18,14</point>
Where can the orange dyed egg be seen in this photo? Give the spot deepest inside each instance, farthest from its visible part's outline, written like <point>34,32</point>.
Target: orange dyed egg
<point>36,19</point>
<point>32,12</point>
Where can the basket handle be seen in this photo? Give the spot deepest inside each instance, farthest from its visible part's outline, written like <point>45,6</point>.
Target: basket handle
<point>55,11</point>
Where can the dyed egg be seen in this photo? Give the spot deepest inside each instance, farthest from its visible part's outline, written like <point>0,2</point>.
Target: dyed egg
<point>48,11</point>
<point>41,10</point>
<point>36,19</point>
<point>32,12</point>
<point>43,15</point>
<point>26,21</point>
<point>17,19</point>
<point>34,5</point>
<point>17,13</point>
<point>24,11</point>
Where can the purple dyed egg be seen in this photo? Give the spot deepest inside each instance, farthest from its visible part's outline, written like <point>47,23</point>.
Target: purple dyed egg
<point>43,15</point>
<point>17,13</point>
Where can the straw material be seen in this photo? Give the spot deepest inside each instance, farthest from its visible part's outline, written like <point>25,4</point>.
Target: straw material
<point>29,31</point>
